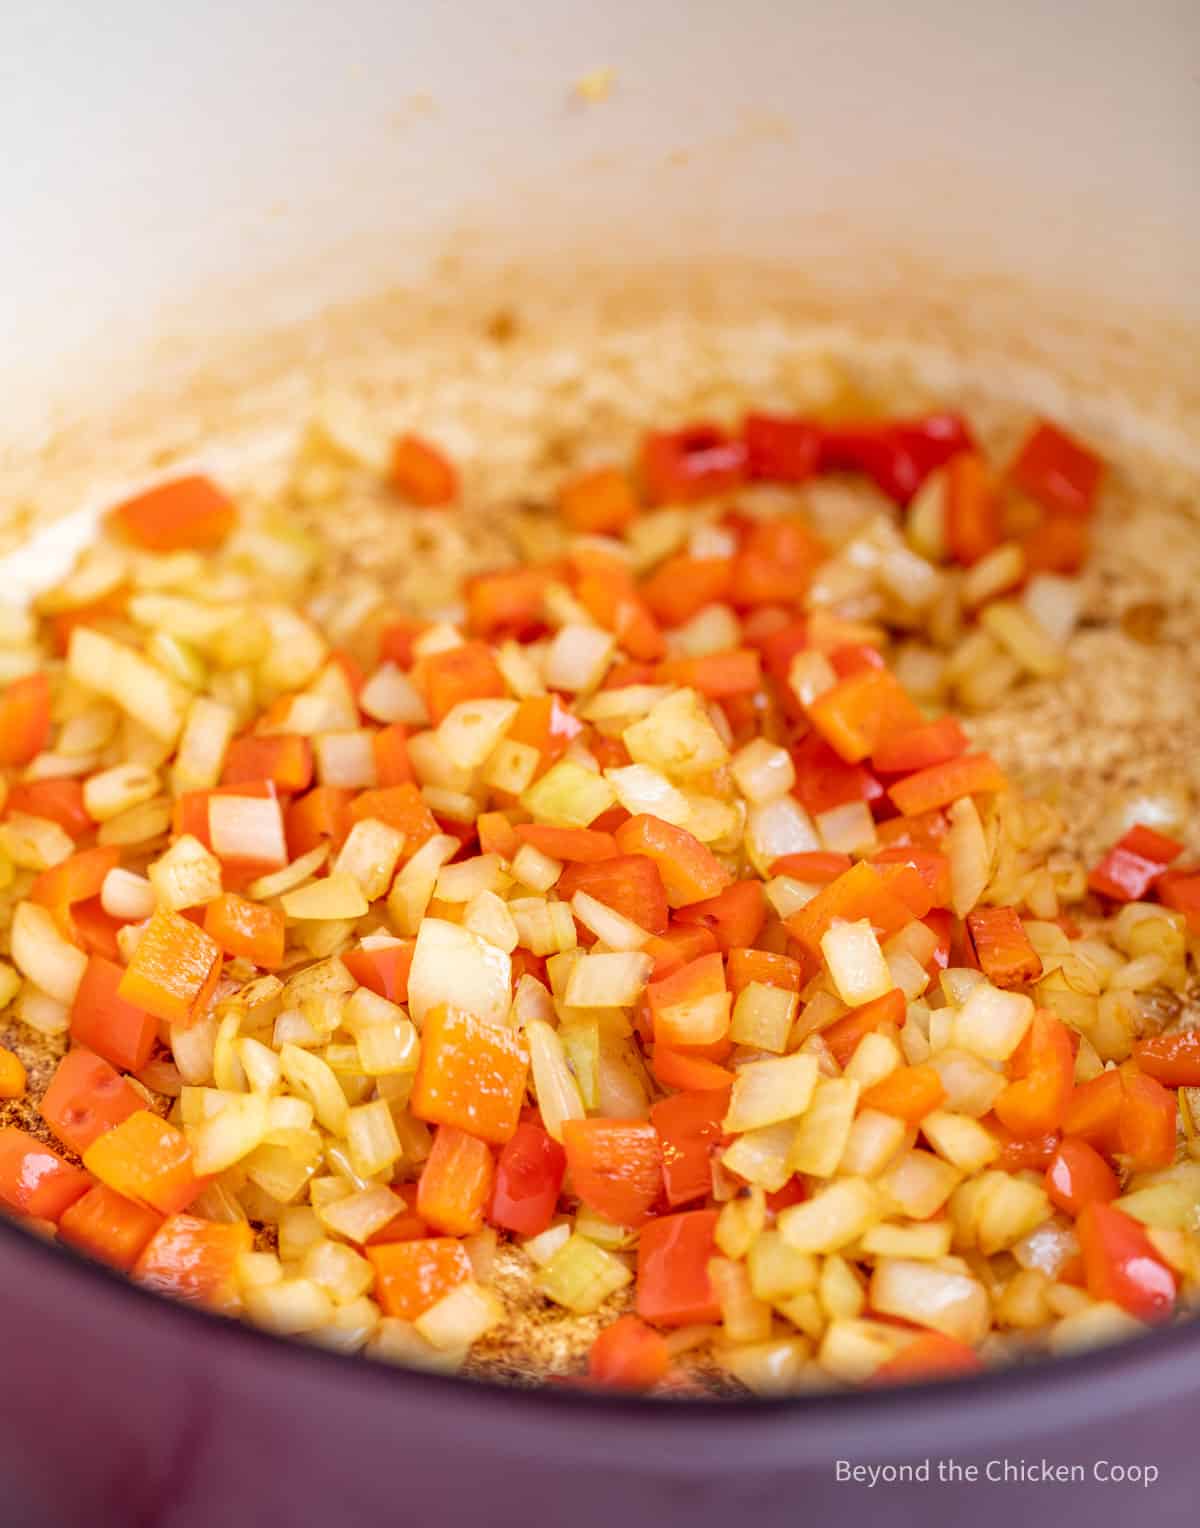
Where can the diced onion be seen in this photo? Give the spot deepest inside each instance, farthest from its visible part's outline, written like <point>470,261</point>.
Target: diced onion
<point>677,737</point>
<point>390,696</point>
<point>765,1092</point>
<point>856,964</point>
<point>614,980</point>
<point>207,733</point>
<point>187,875</point>
<point>763,770</point>
<point>126,895</point>
<point>472,729</point>
<point>992,1023</point>
<point>345,759</point>
<point>775,828</point>
<point>834,1217</point>
<point>825,1128</point>
<point>452,965</point>
<point>609,926</point>
<point>554,1085</point>
<point>333,897</point>
<point>42,955</point>
<point>640,788</point>
<point>951,1303</point>
<point>248,829</point>
<point>578,658</point>
<point>461,1317</point>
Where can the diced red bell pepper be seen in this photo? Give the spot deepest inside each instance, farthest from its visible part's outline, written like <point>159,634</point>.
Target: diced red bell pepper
<point>974,525</point>
<point>421,473</point>
<point>1023,1153</point>
<point>1173,1060</point>
<point>108,1227</point>
<point>843,1036</point>
<point>104,1022</point>
<point>1133,864</point>
<point>390,749</point>
<point>59,801</point>
<point>931,1355</point>
<point>616,1167</point>
<point>471,1075</point>
<point>467,672</point>
<point>1002,947</point>
<point>456,1182</point>
<point>321,815</point>
<point>815,867</point>
<point>682,585</point>
<point>630,884</point>
<point>1121,1264</point>
<point>510,602</point>
<point>195,1260</point>
<point>920,747</point>
<point>628,1355</point>
<point>190,513</point>
<point>1044,1070</point>
<point>861,893</point>
<point>765,966</point>
<point>412,1275</point>
<point>397,638</point>
<point>147,1159</point>
<point>857,715</point>
<point>1180,890</point>
<point>1060,544</point>
<point>688,1072</point>
<point>34,1180</point>
<point>898,455</point>
<point>581,846</point>
<point>776,563</point>
<point>678,947</point>
<point>971,775</point>
<point>781,448</point>
<point>283,758</point>
<point>825,780</point>
<point>689,1129</point>
<point>76,879</point>
<point>697,462</point>
<point>689,869</point>
<point>691,1006</point>
<point>599,503</point>
<point>85,1098</point>
<point>529,1177</point>
<point>1078,1175</point>
<point>383,968</point>
<point>1093,1111</point>
<point>673,1287</point>
<point>931,865</point>
<point>909,1093</point>
<point>1146,1126</point>
<point>719,676</point>
<point>1057,472</point>
<point>735,915</point>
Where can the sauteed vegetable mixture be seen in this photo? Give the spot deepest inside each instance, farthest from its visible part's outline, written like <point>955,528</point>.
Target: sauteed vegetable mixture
<point>645,909</point>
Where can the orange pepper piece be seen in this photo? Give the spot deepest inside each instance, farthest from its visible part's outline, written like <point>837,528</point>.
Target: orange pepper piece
<point>195,1260</point>
<point>421,473</point>
<point>174,970</point>
<point>146,1159</point>
<point>455,1186</point>
<point>108,1227</point>
<point>471,1074</point>
<point>190,514</point>
<point>410,1276</point>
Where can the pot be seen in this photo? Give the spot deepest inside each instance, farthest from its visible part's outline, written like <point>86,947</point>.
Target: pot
<point>200,204</point>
